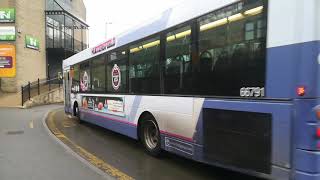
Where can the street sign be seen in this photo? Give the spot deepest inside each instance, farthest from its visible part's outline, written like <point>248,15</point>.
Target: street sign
<point>7,15</point>
<point>32,42</point>
<point>7,33</point>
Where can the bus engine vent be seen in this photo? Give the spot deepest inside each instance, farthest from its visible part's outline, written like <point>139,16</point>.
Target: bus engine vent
<point>239,139</point>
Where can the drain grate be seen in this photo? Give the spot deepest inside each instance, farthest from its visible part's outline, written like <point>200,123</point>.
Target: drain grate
<point>15,132</point>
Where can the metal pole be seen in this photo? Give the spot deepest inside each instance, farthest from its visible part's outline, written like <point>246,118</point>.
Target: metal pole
<point>49,85</point>
<point>22,96</point>
<point>73,39</point>
<point>82,37</point>
<point>38,86</point>
<point>107,29</point>
<point>29,90</point>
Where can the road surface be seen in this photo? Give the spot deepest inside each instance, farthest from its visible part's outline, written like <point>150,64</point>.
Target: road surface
<point>124,157</point>
<point>28,152</point>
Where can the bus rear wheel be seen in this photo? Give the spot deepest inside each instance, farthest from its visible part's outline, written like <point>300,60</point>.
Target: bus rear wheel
<point>150,136</point>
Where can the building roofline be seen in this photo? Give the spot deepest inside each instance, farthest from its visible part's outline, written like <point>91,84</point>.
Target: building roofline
<point>59,12</point>
<point>69,13</point>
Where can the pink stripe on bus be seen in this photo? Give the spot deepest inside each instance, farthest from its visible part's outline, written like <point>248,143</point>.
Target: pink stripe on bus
<point>176,136</point>
<point>129,123</point>
<point>109,118</point>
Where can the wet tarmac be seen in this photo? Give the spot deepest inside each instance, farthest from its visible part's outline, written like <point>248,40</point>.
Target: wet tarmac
<point>128,156</point>
<point>28,151</point>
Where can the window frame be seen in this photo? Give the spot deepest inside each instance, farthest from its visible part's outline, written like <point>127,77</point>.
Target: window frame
<point>91,73</point>
<point>83,62</point>
<point>159,37</point>
<point>193,39</point>
<point>107,55</point>
<point>246,7</point>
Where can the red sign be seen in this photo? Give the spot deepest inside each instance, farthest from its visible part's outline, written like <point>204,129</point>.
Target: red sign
<point>108,44</point>
<point>116,77</point>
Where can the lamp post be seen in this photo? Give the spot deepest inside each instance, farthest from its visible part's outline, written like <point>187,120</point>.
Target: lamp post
<point>107,23</point>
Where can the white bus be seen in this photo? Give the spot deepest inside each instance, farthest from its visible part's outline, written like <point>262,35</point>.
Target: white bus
<point>225,82</point>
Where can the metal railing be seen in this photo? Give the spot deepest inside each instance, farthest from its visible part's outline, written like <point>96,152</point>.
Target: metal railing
<point>35,88</point>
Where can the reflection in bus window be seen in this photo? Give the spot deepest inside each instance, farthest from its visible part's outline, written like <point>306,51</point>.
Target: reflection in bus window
<point>178,74</point>
<point>144,67</point>
<point>232,45</point>
<point>117,59</point>
<point>98,74</point>
<point>85,77</point>
<point>75,78</point>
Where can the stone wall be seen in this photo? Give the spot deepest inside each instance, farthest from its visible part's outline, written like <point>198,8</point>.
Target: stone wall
<point>8,84</point>
<point>7,3</point>
<point>30,20</point>
<point>79,9</point>
<point>54,96</point>
<point>30,64</point>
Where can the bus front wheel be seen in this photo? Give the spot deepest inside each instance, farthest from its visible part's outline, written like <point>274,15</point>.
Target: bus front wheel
<point>76,112</point>
<point>150,136</point>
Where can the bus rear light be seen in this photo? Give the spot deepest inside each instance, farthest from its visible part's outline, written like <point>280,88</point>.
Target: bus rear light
<point>318,132</point>
<point>301,91</point>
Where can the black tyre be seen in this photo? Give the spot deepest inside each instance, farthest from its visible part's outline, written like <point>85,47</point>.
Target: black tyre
<point>150,136</point>
<point>76,112</point>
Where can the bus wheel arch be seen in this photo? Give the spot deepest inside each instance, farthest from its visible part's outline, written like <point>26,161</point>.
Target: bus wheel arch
<point>149,133</point>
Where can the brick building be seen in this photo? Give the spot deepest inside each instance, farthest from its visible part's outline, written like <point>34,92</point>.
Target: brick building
<point>35,36</point>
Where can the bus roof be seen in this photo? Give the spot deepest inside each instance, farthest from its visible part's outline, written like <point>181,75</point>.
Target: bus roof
<point>182,13</point>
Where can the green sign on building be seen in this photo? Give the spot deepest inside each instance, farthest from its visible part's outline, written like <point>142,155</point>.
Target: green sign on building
<point>7,15</point>
<point>32,43</point>
<point>7,33</point>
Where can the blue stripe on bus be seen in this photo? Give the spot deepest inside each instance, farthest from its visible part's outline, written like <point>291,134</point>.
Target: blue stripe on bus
<point>281,123</point>
<point>308,161</point>
<point>298,175</point>
<point>291,66</point>
<point>120,126</point>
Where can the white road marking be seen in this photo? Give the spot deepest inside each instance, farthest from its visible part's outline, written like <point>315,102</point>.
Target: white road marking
<point>31,124</point>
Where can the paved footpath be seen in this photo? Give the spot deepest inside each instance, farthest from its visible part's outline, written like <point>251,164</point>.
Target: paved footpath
<point>29,152</point>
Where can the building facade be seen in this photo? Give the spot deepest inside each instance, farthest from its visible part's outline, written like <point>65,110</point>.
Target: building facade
<point>36,37</point>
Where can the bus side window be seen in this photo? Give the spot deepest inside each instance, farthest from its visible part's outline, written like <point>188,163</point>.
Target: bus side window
<point>236,41</point>
<point>178,74</point>
<point>117,59</point>
<point>144,67</point>
<point>98,74</point>
<point>85,81</point>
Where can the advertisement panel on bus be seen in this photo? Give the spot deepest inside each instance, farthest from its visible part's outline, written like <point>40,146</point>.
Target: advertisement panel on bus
<point>109,105</point>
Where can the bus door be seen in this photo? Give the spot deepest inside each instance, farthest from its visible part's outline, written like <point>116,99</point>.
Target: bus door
<point>67,90</point>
